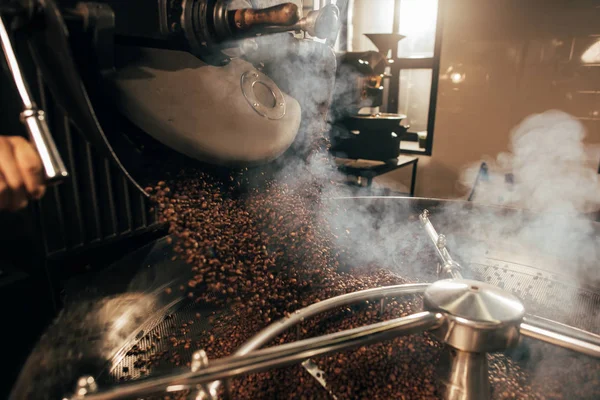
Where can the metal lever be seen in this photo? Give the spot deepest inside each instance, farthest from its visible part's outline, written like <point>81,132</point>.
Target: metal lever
<point>34,118</point>
<point>323,23</point>
<point>281,15</point>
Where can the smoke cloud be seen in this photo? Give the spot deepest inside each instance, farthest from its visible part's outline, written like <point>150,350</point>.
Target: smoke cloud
<point>550,172</point>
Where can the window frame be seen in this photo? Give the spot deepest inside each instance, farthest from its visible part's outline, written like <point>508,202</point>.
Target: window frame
<point>432,63</point>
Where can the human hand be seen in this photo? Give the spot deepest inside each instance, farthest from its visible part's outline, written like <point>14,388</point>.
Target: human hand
<point>21,177</point>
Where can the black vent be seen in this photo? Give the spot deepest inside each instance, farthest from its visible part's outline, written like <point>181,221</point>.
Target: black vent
<point>97,204</point>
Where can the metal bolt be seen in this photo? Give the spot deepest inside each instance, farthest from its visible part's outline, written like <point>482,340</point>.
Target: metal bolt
<point>441,242</point>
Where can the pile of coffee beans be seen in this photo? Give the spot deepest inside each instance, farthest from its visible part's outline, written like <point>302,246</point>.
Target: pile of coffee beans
<point>261,251</point>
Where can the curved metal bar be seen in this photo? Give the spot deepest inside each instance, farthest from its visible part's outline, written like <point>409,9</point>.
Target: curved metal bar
<point>278,356</point>
<point>276,328</point>
<point>271,331</point>
<point>560,339</point>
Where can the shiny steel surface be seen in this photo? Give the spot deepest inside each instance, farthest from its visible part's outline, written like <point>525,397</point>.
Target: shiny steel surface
<point>252,78</point>
<point>474,301</point>
<point>591,348</point>
<point>299,316</point>
<point>33,118</point>
<point>467,378</point>
<point>464,373</point>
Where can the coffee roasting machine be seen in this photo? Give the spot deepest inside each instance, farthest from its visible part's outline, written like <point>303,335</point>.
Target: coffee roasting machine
<point>176,74</point>
<point>370,134</point>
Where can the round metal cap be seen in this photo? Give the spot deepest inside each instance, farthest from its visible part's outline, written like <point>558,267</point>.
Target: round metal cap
<point>474,301</point>
<point>272,103</point>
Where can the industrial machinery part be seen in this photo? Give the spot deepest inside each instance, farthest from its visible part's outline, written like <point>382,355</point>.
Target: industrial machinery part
<point>32,117</point>
<point>472,317</point>
<point>360,78</point>
<point>78,46</point>
<point>207,27</point>
<point>447,311</point>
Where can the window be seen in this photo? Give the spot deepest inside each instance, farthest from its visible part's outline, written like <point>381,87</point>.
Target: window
<point>411,87</point>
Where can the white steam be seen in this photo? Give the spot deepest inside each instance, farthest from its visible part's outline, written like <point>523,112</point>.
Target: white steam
<point>550,172</point>
<point>551,169</point>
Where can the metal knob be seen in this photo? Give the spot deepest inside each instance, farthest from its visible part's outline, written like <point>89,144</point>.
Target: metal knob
<point>322,23</point>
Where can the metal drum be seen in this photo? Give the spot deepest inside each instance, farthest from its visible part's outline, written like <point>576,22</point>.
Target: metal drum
<point>477,296</point>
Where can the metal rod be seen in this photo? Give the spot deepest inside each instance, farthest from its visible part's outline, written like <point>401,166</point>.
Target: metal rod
<point>278,356</point>
<point>33,118</point>
<point>563,329</point>
<point>449,267</point>
<point>270,332</point>
<point>561,340</point>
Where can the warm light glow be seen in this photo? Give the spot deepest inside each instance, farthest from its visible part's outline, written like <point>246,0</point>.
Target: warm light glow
<point>417,21</point>
<point>417,17</point>
<point>456,77</point>
<point>592,54</point>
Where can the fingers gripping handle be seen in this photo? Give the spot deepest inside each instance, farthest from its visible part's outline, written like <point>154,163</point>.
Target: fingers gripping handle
<point>39,134</point>
<point>33,118</point>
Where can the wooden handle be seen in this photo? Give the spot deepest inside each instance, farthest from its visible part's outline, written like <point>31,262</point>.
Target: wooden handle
<point>281,15</point>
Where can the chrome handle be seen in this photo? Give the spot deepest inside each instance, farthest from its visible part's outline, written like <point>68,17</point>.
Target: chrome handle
<point>34,118</point>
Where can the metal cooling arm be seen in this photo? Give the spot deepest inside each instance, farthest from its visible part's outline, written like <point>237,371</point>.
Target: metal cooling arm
<point>448,266</point>
<point>561,335</point>
<point>33,118</point>
<point>275,357</point>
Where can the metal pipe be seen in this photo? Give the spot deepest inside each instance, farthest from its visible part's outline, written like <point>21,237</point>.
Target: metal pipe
<point>467,378</point>
<point>449,267</point>
<point>563,329</point>
<point>561,340</point>
<point>279,356</point>
<point>33,118</point>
